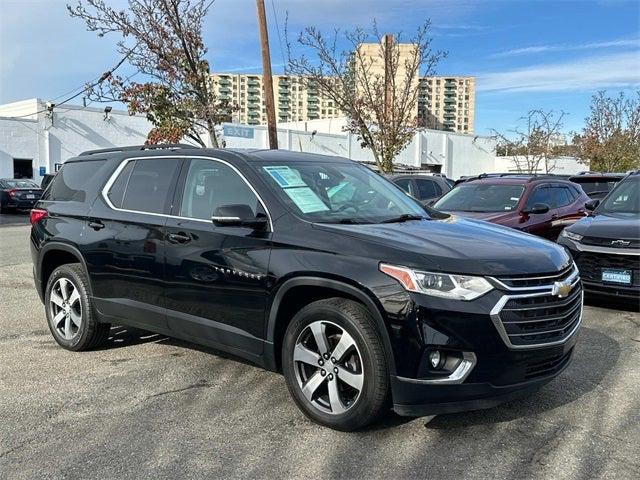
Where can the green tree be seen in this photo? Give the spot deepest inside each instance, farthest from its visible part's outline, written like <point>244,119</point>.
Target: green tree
<point>610,140</point>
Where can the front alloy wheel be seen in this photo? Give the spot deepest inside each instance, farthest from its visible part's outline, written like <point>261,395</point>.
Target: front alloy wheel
<point>328,367</point>
<point>334,364</point>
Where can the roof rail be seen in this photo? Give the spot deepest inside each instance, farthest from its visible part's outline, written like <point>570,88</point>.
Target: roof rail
<point>161,146</point>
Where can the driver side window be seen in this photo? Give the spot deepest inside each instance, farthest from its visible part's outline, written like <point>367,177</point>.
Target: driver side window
<point>209,185</point>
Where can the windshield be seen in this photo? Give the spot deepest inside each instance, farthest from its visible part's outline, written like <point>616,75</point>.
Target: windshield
<point>336,192</point>
<point>624,199</point>
<point>19,184</point>
<point>480,197</point>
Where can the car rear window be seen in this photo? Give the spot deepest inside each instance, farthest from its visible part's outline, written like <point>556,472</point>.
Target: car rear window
<point>18,184</point>
<point>71,182</point>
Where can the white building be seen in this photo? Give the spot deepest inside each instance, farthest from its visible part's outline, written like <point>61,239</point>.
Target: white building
<point>34,141</point>
<point>559,165</point>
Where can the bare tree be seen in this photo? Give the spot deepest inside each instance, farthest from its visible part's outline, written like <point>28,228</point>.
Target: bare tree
<point>376,88</point>
<point>610,140</point>
<point>532,142</point>
<point>162,39</point>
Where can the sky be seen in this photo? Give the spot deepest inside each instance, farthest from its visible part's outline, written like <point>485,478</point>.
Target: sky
<point>551,55</point>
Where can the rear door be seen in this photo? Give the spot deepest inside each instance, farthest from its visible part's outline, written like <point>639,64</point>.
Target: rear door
<point>216,275</point>
<point>124,241</point>
<point>569,208</point>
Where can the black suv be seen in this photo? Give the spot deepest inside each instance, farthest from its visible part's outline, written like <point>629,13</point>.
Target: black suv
<point>308,264</point>
<point>606,244</point>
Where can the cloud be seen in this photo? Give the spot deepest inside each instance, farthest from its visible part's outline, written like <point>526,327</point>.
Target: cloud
<point>623,42</point>
<point>610,71</point>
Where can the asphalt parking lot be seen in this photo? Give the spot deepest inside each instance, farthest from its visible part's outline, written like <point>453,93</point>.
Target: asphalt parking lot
<point>151,407</point>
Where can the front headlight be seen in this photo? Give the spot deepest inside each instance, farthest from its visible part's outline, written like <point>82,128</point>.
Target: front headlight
<point>444,285</point>
<point>571,236</point>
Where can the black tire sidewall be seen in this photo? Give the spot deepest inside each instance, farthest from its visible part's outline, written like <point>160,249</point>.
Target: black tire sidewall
<point>75,275</point>
<point>361,413</point>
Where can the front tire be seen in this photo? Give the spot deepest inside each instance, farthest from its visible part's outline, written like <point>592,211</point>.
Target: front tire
<point>334,364</point>
<point>69,312</point>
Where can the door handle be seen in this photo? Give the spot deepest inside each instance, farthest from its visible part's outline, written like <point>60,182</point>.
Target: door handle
<point>178,238</point>
<point>96,225</point>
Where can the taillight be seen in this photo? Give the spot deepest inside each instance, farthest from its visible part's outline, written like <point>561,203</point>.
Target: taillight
<point>12,193</point>
<point>36,215</point>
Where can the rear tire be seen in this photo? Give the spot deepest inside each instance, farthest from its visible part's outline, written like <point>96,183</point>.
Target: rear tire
<point>69,311</point>
<point>334,364</point>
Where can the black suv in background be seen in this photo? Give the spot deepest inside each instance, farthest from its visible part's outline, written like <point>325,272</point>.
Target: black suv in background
<point>606,244</point>
<point>308,264</point>
<point>424,187</point>
<point>597,185</point>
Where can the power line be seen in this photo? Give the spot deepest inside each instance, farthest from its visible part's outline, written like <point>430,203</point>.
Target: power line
<point>275,15</point>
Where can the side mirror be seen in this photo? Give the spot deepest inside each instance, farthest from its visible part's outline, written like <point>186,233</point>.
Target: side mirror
<point>592,205</point>
<point>238,215</point>
<point>537,209</point>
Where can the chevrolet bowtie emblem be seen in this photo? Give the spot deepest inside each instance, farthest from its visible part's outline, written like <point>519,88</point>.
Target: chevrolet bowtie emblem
<point>561,289</point>
<point>620,243</point>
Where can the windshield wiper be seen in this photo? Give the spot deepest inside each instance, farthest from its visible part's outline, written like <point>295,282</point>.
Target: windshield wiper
<point>404,218</point>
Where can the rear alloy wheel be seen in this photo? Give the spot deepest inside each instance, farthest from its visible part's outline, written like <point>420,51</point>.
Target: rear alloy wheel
<point>69,313</point>
<point>334,364</point>
<point>65,308</point>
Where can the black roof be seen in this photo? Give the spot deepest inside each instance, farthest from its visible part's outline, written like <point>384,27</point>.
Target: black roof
<point>245,154</point>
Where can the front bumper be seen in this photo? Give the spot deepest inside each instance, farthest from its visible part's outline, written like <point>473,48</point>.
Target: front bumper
<point>414,397</point>
<point>518,338</point>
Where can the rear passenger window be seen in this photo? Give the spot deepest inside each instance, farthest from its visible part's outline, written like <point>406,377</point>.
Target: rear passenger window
<point>144,186</point>
<point>116,192</point>
<point>71,182</point>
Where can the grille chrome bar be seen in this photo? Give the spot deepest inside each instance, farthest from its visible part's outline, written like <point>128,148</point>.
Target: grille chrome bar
<point>551,310</point>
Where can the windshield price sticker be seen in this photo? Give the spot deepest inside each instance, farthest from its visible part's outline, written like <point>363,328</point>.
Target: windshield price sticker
<point>285,177</point>
<point>306,199</point>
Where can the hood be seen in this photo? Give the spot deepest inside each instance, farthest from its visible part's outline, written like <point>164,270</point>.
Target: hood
<point>458,245</point>
<point>608,226</point>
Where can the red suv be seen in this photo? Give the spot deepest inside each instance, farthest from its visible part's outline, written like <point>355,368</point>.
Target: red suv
<point>541,205</point>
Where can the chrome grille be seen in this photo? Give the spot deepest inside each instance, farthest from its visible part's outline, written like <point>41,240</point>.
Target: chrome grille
<point>532,313</point>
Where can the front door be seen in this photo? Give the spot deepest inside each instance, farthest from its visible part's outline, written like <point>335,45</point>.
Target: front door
<point>216,276</point>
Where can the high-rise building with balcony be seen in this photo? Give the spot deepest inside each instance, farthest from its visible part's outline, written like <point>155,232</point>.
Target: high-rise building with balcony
<point>444,103</point>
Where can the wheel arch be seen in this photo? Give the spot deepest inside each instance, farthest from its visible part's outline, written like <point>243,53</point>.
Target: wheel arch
<point>326,288</point>
<point>55,254</point>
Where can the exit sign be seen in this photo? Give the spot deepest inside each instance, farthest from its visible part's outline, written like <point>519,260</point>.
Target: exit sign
<point>235,131</point>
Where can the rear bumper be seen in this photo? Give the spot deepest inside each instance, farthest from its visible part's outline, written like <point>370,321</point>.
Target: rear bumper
<point>21,204</point>
<point>417,398</point>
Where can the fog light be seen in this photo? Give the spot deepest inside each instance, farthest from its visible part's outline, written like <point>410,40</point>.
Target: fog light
<point>434,358</point>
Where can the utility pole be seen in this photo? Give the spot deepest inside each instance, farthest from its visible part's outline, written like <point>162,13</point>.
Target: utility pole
<point>267,78</point>
<point>388,72</point>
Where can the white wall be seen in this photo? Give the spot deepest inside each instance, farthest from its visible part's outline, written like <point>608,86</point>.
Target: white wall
<point>563,165</point>
<point>457,154</point>
<point>18,139</point>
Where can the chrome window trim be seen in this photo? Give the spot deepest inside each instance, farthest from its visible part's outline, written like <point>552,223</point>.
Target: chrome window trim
<point>123,164</point>
<point>497,321</point>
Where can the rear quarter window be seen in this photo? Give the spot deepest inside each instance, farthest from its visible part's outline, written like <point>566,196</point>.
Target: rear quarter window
<point>71,183</point>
